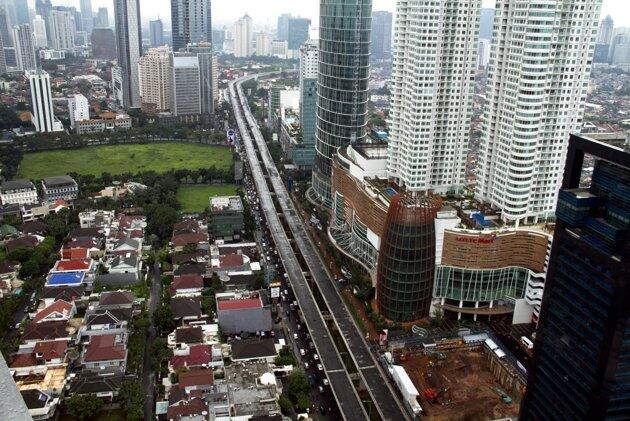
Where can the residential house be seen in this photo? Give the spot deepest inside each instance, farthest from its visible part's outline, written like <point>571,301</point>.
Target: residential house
<point>191,268</point>
<point>197,380</point>
<point>116,300</point>
<point>35,228</point>
<point>105,322</point>
<point>125,246</point>
<point>196,356</point>
<point>59,310</point>
<point>189,240</point>
<point>90,383</point>
<point>243,312</point>
<point>254,349</point>
<point>48,331</point>
<point>49,295</point>
<point>41,406</point>
<point>117,279</point>
<point>26,241</point>
<point>60,187</point>
<point>96,219</point>
<point>127,263</point>
<point>18,192</point>
<point>189,285</point>
<point>186,310</point>
<point>195,409</point>
<point>8,276</point>
<point>106,353</point>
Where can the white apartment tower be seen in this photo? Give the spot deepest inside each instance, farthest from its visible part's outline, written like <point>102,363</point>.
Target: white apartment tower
<point>39,30</point>
<point>435,57</point>
<point>263,44</point>
<point>78,109</point>
<point>61,23</point>
<point>24,47</point>
<point>243,37</point>
<point>156,79</point>
<point>539,69</point>
<point>41,101</point>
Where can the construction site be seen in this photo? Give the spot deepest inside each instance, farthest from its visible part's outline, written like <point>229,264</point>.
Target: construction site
<point>461,382</point>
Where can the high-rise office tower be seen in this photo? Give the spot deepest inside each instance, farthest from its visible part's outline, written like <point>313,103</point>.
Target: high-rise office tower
<point>344,70</point>
<point>309,60</point>
<point>619,49</point>
<point>186,89</point>
<point>78,109</point>
<point>432,103</point>
<point>39,31</point>
<point>522,151</point>
<point>208,77</point>
<point>21,12</point>
<point>218,37</point>
<point>5,29</point>
<point>87,16</point>
<point>156,79</point>
<point>605,30</point>
<point>263,44</point>
<point>102,18</point>
<point>243,37</point>
<point>580,367</point>
<point>298,32</point>
<point>24,47</point>
<point>62,29</point>
<point>486,23</point>
<point>191,22</point>
<point>41,102</point>
<point>283,27</point>
<point>103,43</point>
<point>156,33</point>
<point>129,47</point>
<point>3,63</point>
<point>381,35</point>
<point>43,9</point>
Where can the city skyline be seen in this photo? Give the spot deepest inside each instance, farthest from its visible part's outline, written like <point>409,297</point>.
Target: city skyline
<point>229,12</point>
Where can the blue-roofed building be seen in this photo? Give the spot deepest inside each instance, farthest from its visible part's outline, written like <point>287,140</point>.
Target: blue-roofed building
<point>66,278</point>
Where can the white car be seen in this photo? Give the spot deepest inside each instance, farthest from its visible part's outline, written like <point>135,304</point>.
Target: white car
<point>302,353</point>
<point>316,357</point>
<point>320,367</point>
<point>295,336</point>
<point>325,381</point>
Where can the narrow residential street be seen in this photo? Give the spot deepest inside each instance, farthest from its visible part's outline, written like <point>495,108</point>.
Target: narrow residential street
<point>148,375</point>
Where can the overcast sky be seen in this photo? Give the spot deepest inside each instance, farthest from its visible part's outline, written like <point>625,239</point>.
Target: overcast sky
<point>265,12</point>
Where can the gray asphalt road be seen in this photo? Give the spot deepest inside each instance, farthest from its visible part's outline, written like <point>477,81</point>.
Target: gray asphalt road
<point>148,375</point>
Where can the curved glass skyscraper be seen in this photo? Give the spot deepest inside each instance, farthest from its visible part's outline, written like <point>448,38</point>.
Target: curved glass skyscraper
<point>342,84</point>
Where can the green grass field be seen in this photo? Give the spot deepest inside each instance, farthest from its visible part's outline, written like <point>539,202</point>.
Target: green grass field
<point>119,159</point>
<point>197,198</point>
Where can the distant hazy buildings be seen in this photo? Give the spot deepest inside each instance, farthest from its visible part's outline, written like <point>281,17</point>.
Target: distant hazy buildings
<point>344,40</point>
<point>186,89</point>
<point>24,47</point>
<point>432,104</point>
<point>279,48</point>
<point>298,30</point>
<point>78,109</point>
<point>156,33</point>
<point>283,27</point>
<point>191,22</point>
<point>243,37</point>
<point>87,16</point>
<point>39,31</point>
<point>3,63</point>
<point>102,18</point>
<point>21,12</point>
<point>41,101</point>
<point>263,44</point>
<point>156,79</point>
<point>5,28</point>
<point>381,35</point>
<point>103,44</point>
<point>522,152</point>
<point>218,37</point>
<point>43,9</point>
<point>486,23</point>
<point>62,29</point>
<point>619,50</point>
<point>129,43</point>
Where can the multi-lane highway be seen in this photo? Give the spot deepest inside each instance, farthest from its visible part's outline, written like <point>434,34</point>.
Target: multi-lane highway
<point>384,398</point>
<point>345,394</point>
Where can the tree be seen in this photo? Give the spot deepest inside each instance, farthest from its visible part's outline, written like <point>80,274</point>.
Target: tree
<point>160,352</point>
<point>303,402</point>
<point>285,404</point>
<point>298,384</point>
<point>163,318</point>
<point>131,395</point>
<point>83,407</point>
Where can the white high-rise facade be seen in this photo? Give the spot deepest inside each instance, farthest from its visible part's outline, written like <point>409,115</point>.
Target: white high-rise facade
<point>78,109</point>
<point>243,37</point>
<point>61,29</point>
<point>129,47</point>
<point>41,101</point>
<point>39,31</point>
<point>24,48</point>
<point>156,79</point>
<point>263,44</point>
<point>539,70</point>
<point>435,57</point>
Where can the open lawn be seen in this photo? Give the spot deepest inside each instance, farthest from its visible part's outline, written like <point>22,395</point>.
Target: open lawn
<point>197,198</point>
<point>119,159</point>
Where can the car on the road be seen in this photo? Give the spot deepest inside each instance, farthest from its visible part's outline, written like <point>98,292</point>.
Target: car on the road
<point>321,389</point>
<point>320,367</point>
<point>302,353</point>
<point>325,382</point>
<point>295,335</point>
<point>305,365</point>
<point>316,357</point>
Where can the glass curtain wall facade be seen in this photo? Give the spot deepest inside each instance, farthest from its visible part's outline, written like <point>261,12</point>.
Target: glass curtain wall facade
<point>344,55</point>
<point>406,261</point>
<point>581,363</point>
<point>480,284</point>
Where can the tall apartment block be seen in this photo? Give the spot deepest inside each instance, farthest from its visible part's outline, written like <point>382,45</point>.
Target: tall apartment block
<point>62,29</point>
<point>243,39</point>
<point>309,58</point>
<point>344,70</point>
<point>580,367</point>
<point>191,22</point>
<point>87,16</point>
<point>41,101</point>
<point>156,33</point>
<point>433,72</point>
<point>381,34</point>
<point>539,69</point>
<point>156,80</point>
<point>129,44</point>
<point>24,47</point>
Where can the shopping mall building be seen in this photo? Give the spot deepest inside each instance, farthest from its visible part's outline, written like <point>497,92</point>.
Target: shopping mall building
<point>418,255</point>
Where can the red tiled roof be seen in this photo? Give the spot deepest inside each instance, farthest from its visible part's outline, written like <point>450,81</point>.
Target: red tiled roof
<point>59,306</point>
<point>196,377</point>
<point>51,349</point>
<point>136,234</point>
<point>184,239</point>
<point>231,260</point>
<point>239,304</point>
<point>125,221</point>
<point>185,409</point>
<point>198,355</point>
<point>24,360</point>
<point>75,264</point>
<point>83,243</point>
<point>191,280</point>
<point>104,348</point>
<point>71,253</point>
